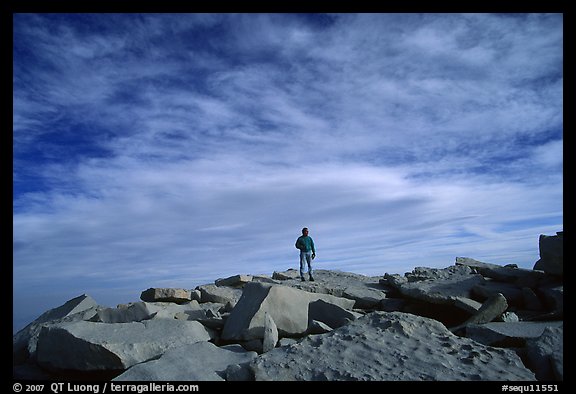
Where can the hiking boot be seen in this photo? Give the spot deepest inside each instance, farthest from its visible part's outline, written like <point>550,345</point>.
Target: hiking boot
<point>311,278</point>
<point>302,279</point>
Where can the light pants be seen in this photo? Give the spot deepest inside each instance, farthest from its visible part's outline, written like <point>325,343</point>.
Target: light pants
<point>305,257</point>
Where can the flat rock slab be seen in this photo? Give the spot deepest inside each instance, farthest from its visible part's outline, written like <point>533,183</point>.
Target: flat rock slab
<point>442,291</point>
<point>155,294</point>
<point>234,281</point>
<point>390,346</point>
<point>436,285</point>
<point>508,334</point>
<point>426,273</point>
<point>220,294</point>
<point>138,311</point>
<point>331,282</point>
<point>201,361</point>
<point>503,273</point>
<point>90,346</point>
<point>365,290</point>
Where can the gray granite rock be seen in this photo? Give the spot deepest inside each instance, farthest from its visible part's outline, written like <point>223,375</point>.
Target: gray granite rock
<point>467,304</point>
<point>201,361</point>
<point>24,342</point>
<point>287,306</point>
<point>389,346</point>
<point>156,294</point>
<point>553,297</point>
<point>168,310</point>
<point>329,313</point>
<point>392,304</point>
<point>91,346</point>
<point>365,290</point>
<point>490,310</point>
<point>234,281</point>
<point>318,333</point>
<point>504,334</point>
<point>442,291</point>
<point>137,311</point>
<point>365,297</point>
<point>219,294</point>
<point>286,275</point>
<point>424,273</point>
<point>270,333</point>
<point>239,373</point>
<point>317,327</point>
<point>524,277</point>
<point>508,317</point>
<point>545,354</point>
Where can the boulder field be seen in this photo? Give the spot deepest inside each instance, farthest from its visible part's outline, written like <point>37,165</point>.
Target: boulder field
<point>468,321</point>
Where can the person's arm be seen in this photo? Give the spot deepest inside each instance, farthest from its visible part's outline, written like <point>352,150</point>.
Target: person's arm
<point>313,249</point>
<point>297,244</point>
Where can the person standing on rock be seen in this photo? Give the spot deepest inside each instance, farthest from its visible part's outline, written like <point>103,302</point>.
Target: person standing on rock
<point>305,244</point>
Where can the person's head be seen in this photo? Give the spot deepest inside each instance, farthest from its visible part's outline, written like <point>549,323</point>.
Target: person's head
<point>305,231</point>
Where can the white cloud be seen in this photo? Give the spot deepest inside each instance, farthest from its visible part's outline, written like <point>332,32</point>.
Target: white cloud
<point>549,155</point>
<point>399,140</point>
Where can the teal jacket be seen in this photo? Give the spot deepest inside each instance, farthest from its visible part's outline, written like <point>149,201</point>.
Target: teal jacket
<point>305,244</point>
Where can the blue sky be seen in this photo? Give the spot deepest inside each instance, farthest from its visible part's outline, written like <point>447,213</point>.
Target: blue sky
<point>168,150</point>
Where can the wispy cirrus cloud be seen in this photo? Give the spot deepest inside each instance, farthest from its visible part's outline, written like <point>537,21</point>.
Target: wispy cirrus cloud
<point>175,149</point>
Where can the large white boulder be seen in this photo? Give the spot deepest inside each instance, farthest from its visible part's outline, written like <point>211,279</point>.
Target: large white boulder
<point>92,346</point>
<point>288,307</point>
<point>390,346</point>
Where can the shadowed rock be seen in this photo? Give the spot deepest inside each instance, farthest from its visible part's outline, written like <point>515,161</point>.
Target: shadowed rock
<point>551,254</point>
<point>546,354</point>
<point>504,334</point>
<point>155,294</point>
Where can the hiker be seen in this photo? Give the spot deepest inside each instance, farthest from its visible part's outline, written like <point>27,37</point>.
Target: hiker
<point>307,253</point>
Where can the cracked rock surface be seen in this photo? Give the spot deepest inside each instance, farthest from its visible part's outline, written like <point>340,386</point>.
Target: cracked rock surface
<point>390,346</point>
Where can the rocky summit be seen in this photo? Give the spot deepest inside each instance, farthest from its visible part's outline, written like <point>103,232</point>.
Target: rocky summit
<point>471,320</point>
